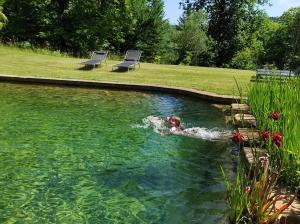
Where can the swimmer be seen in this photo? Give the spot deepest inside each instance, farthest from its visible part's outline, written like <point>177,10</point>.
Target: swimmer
<point>166,125</point>
<point>174,124</point>
<point>159,125</point>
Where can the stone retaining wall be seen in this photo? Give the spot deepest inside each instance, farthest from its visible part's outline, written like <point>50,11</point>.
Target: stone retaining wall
<point>221,99</point>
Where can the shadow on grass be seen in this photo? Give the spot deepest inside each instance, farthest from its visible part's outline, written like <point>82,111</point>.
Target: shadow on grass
<point>122,70</point>
<point>86,68</point>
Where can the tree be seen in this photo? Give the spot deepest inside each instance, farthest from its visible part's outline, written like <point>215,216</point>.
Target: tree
<point>283,48</point>
<point>73,26</point>
<point>293,59</point>
<point>192,39</point>
<point>253,35</point>
<point>147,27</point>
<point>80,26</point>
<point>3,19</point>
<point>26,20</point>
<point>225,17</point>
<point>169,51</point>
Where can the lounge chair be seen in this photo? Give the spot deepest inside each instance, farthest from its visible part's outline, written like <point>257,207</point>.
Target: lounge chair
<point>97,58</point>
<point>132,58</point>
<point>269,72</point>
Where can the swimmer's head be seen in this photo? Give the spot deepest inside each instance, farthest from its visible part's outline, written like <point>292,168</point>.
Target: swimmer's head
<point>174,121</point>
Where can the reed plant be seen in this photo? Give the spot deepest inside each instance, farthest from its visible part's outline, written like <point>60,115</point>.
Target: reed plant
<point>253,196</point>
<point>254,193</point>
<point>276,106</point>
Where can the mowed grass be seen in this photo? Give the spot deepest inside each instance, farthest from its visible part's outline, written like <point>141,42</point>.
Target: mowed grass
<point>15,61</point>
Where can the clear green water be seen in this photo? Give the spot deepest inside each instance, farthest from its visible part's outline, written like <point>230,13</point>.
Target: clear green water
<point>72,155</point>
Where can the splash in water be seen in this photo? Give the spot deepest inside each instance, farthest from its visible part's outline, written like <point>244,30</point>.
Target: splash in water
<point>159,126</point>
<point>207,134</point>
<point>146,124</point>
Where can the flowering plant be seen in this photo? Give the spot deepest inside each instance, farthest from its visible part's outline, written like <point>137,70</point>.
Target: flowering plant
<point>255,200</point>
<point>264,135</point>
<point>277,139</point>
<point>275,115</point>
<point>237,137</point>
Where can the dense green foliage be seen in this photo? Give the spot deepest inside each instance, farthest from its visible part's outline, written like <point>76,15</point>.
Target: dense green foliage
<point>282,97</point>
<point>80,26</point>
<point>222,33</point>
<point>3,19</point>
<point>192,39</point>
<point>252,196</point>
<point>245,37</point>
<point>283,47</point>
<point>228,22</point>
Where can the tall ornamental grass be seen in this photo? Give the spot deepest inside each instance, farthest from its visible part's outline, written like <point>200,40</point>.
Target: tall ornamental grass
<point>252,197</point>
<point>282,98</point>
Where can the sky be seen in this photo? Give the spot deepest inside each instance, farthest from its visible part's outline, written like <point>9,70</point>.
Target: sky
<point>173,12</point>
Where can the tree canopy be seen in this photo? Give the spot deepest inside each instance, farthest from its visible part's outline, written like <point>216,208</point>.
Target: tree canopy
<point>283,48</point>
<point>192,39</point>
<point>80,26</point>
<point>3,18</point>
<point>222,33</point>
<point>226,19</point>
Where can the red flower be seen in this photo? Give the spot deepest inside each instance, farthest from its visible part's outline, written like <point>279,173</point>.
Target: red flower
<point>275,115</point>
<point>277,139</point>
<point>265,135</point>
<point>237,137</point>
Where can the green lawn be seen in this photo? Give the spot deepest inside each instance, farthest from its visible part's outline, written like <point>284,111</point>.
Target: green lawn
<point>14,61</point>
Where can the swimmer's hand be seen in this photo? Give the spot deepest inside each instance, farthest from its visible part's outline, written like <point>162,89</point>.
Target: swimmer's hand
<point>176,130</point>
<point>173,129</point>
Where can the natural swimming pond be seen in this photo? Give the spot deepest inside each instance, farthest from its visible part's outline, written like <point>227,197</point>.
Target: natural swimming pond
<point>75,155</point>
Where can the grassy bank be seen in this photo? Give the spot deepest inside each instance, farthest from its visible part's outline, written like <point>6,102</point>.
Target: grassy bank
<point>14,61</point>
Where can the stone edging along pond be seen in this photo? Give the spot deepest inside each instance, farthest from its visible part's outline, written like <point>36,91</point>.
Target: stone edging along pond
<point>222,99</point>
